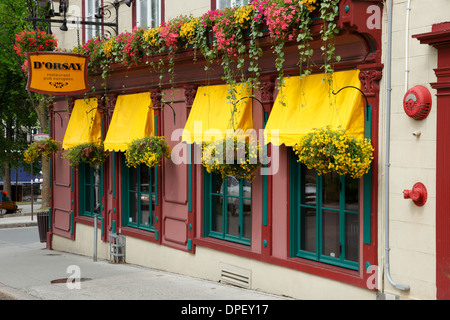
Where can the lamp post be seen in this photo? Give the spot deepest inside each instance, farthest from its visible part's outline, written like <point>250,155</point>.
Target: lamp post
<point>63,6</point>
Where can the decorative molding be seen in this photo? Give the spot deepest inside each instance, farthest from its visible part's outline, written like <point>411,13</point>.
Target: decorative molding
<point>189,93</point>
<point>156,97</point>
<point>70,105</point>
<point>370,79</point>
<point>111,103</point>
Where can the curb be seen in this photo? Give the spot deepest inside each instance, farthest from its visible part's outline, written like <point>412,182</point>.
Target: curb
<point>18,224</point>
<point>10,293</point>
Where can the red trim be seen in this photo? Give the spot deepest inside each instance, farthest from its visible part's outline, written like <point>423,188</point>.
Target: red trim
<point>133,15</point>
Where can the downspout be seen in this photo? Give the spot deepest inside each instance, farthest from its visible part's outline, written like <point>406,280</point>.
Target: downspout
<point>408,9</point>
<point>387,164</point>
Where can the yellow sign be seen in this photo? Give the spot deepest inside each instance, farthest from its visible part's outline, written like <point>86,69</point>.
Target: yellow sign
<point>57,73</point>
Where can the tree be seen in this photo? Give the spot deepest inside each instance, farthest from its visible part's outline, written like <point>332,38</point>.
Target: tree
<point>15,113</point>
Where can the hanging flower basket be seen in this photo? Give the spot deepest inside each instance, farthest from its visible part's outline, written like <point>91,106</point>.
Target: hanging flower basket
<point>148,151</point>
<point>328,150</point>
<point>92,154</point>
<point>232,157</point>
<point>40,149</point>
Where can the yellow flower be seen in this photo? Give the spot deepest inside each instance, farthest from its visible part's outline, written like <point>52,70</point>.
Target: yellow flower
<point>242,15</point>
<point>188,30</point>
<point>151,36</point>
<point>108,47</point>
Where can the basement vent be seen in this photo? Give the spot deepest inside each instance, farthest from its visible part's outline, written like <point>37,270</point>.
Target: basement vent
<point>235,276</point>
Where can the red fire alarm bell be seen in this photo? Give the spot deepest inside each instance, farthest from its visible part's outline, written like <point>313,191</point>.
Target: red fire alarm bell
<point>418,194</point>
<point>417,102</point>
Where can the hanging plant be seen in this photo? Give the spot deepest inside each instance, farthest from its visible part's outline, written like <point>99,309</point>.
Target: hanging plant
<point>93,49</point>
<point>39,149</point>
<point>148,151</point>
<point>232,157</point>
<point>287,20</point>
<point>93,154</point>
<point>328,150</point>
<point>33,41</point>
<point>329,11</point>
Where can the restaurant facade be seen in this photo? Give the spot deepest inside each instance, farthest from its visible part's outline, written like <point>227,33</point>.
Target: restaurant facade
<point>288,230</point>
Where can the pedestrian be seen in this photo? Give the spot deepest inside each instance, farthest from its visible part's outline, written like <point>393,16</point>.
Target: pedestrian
<point>5,196</point>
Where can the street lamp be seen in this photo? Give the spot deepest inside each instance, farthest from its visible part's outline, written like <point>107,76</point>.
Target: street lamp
<point>63,6</point>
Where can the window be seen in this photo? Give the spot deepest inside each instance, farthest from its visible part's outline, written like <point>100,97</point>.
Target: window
<point>91,7</point>
<point>148,13</point>
<point>90,180</point>
<point>221,4</point>
<point>324,217</point>
<point>139,195</point>
<point>227,208</point>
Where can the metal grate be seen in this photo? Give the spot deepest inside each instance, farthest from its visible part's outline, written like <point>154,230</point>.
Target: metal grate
<point>116,248</point>
<point>235,276</point>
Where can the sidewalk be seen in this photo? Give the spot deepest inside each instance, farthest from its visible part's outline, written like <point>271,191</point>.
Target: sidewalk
<point>23,219</point>
<point>31,272</point>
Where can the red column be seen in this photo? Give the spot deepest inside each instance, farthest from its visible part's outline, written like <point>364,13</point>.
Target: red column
<point>439,38</point>
<point>156,105</point>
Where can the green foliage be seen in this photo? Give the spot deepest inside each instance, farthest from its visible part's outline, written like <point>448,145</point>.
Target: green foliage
<point>41,149</point>
<point>148,151</point>
<point>233,156</point>
<point>92,154</point>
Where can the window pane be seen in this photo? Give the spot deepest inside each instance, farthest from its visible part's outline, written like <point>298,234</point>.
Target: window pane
<point>351,194</point>
<point>233,216</point>
<point>247,227</point>
<point>232,186</point>
<point>143,10</point>
<point>133,179</point>
<point>87,175</point>
<point>145,210</point>
<point>247,188</point>
<point>217,184</point>
<point>351,236</point>
<point>132,217</point>
<point>216,213</point>
<point>87,197</point>
<point>330,236</point>
<point>309,186</point>
<point>308,229</point>
<point>145,178</point>
<point>223,4</point>
<point>155,20</point>
<point>330,192</point>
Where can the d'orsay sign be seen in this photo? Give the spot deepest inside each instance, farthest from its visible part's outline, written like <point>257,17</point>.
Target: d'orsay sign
<point>57,73</point>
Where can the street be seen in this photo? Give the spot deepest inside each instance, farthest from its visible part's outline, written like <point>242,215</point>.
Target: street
<point>18,236</point>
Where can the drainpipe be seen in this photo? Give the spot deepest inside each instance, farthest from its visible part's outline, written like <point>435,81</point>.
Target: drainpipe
<point>408,9</point>
<point>387,164</point>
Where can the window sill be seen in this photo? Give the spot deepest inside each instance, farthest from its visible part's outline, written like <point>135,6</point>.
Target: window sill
<point>146,235</point>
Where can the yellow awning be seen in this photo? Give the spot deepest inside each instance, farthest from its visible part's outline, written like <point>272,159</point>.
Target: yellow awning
<point>212,113</point>
<point>132,119</point>
<point>84,124</point>
<point>305,104</point>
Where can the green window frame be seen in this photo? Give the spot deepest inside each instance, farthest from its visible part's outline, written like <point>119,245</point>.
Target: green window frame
<point>139,196</point>
<point>90,189</point>
<point>231,196</point>
<point>325,217</point>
